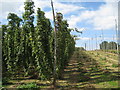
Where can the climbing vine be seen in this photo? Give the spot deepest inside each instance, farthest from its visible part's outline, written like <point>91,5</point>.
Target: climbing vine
<point>29,47</point>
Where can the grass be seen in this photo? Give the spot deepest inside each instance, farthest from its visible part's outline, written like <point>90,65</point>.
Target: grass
<point>104,78</point>
<point>28,86</point>
<point>109,84</point>
<point>103,58</point>
<point>115,65</point>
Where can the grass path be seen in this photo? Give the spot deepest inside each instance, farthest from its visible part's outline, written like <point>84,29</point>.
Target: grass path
<point>89,71</point>
<point>107,76</point>
<point>105,59</point>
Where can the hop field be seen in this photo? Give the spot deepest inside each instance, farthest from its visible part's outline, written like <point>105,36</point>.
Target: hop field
<point>86,69</point>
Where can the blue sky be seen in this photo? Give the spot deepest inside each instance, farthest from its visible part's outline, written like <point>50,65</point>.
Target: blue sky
<point>95,19</point>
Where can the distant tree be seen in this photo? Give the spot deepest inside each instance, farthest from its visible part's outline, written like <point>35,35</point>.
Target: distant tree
<point>104,45</point>
<point>79,49</point>
<point>108,45</point>
<point>112,45</point>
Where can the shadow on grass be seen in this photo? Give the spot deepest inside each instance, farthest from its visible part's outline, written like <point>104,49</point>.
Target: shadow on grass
<point>75,76</point>
<point>95,74</point>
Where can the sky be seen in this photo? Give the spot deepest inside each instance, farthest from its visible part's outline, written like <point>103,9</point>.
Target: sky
<point>95,18</point>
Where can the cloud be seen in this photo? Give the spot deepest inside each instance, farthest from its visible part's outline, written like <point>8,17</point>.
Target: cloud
<point>103,18</point>
<point>89,38</point>
<point>63,8</point>
<point>12,1</point>
<point>58,6</point>
<point>18,7</point>
<point>41,4</point>
<point>83,38</point>
<point>67,8</point>
<point>82,29</point>
<point>9,7</point>
<point>49,15</point>
<point>84,15</point>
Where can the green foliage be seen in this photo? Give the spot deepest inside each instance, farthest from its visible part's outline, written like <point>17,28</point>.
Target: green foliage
<point>113,51</point>
<point>94,68</point>
<point>79,49</point>
<point>28,86</point>
<point>104,45</point>
<point>108,45</point>
<point>65,44</point>
<point>27,40</point>
<point>30,49</point>
<point>103,58</point>
<point>5,80</point>
<point>98,54</point>
<point>114,65</point>
<point>10,45</point>
<point>41,48</point>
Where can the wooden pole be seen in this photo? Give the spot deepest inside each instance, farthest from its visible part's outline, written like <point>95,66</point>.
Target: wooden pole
<point>85,46</point>
<point>55,46</point>
<point>89,44</point>
<point>116,35</point>
<point>96,41</point>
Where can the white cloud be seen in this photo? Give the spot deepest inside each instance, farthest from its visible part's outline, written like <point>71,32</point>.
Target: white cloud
<point>81,29</point>
<point>83,38</point>
<point>17,6</point>
<point>63,8</point>
<point>12,1</point>
<point>41,4</point>
<point>67,8</point>
<point>11,6</point>
<point>49,15</point>
<point>98,38</point>
<point>103,18</point>
<point>85,15</point>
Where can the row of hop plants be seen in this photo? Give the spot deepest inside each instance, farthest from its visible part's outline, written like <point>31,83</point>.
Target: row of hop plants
<point>28,48</point>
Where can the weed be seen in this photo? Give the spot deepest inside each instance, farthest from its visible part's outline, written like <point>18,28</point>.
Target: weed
<point>101,58</point>
<point>94,68</point>
<point>104,58</point>
<point>114,65</point>
<point>80,64</point>
<point>113,83</point>
<point>28,86</point>
<point>98,54</point>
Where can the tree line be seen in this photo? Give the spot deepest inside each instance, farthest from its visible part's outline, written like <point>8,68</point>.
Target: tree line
<point>108,45</point>
<point>28,44</point>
